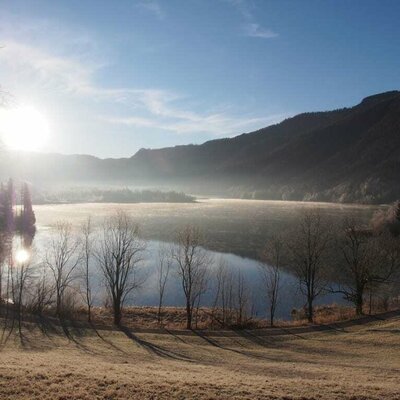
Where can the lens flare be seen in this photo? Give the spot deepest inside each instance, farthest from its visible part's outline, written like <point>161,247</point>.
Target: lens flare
<point>22,256</point>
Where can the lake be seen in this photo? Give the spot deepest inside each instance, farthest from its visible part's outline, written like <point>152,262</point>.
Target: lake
<point>231,226</point>
<point>235,231</point>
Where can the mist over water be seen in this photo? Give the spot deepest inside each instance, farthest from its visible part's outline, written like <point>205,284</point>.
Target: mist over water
<point>239,227</point>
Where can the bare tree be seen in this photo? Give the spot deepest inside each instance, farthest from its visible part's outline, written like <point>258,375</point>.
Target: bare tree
<point>203,286</point>
<point>87,254</point>
<point>5,253</point>
<point>22,273</point>
<point>366,262</point>
<point>119,255</point>
<point>7,296</point>
<point>270,269</point>
<point>308,248</point>
<point>42,291</point>
<point>242,297</point>
<point>232,303</point>
<point>192,263</point>
<point>62,258</point>
<point>163,270</point>
<point>384,277</point>
<point>224,294</point>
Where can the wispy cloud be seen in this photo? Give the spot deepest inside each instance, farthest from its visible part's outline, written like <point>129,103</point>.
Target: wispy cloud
<point>48,71</point>
<point>149,108</point>
<point>152,7</point>
<point>251,27</point>
<point>255,30</point>
<point>69,77</point>
<point>244,7</point>
<point>216,124</point>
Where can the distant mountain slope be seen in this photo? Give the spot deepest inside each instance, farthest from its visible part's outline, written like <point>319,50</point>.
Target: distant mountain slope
<point>350,155</point>
<point>347,155</point>
<point>228,155</point>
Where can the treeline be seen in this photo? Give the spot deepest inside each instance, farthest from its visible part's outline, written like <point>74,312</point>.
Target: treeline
<point>125,195</point>
<point>327,256</point>
<point>345,193</point>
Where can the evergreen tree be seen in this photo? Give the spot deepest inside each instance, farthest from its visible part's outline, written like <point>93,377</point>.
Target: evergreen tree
<point>24,221</point>
<point>9,202</point>
<point>28,218</point>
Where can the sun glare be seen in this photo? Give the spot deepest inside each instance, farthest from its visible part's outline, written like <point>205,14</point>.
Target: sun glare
<point>22,256</point>
<point>23,128</point>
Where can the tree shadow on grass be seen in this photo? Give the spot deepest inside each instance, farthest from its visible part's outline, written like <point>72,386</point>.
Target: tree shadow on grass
<point>47,326</point>
<point>76,331</point>
<point>153,348</point>
<point>263,341</point>
<point>214,343</point>
<point>23,333</point>
<point>177,337</point>
<point>52,327</point>
<point>108,342</point>
<point>71,330</point>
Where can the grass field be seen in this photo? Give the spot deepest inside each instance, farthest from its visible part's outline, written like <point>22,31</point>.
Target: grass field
<point>346,362</point>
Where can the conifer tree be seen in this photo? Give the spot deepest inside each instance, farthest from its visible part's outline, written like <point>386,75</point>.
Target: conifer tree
<point>9,202</point>
<point>28,216</point>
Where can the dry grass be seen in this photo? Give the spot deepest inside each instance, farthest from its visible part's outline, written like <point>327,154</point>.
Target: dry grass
<point>147,317</point>
<point>175,317</point>
<point>359,362</point>
<point>325,314</point>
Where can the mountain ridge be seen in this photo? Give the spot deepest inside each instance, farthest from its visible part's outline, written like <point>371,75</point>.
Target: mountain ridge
<point>349,154</point>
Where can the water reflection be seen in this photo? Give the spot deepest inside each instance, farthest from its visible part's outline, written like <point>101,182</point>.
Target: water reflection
<point>147,295</point>
<point>289,297</point>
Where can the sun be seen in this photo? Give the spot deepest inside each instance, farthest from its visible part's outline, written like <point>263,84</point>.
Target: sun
<point>22,256</point>
<point>23,128</point>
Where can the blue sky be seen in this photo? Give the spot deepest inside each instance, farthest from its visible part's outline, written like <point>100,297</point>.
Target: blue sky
<point>114,76</point>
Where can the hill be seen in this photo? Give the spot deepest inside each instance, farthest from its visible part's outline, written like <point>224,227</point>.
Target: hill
<point>341,362</point>
<point>346,155</point>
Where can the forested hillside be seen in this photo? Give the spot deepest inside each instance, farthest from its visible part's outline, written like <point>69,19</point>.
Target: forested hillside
<point>345,155</point>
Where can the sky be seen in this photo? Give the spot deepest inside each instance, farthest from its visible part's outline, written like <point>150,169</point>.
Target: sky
<point>111,77</point>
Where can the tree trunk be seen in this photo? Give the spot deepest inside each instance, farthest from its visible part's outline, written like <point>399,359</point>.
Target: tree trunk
<point>117,312</point>
<point>359,304</point>
<point>89,313</point>
<point>188,316</point>
<point>58,305</point>
<point>271,319</point>
<point>370,302</point>
<point>159,313</point>
<point>20,314</point>
<point>88,299</point>
<point>310,311</point>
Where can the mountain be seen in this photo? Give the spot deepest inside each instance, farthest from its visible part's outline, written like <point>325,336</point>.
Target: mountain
<point>346,155</point>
